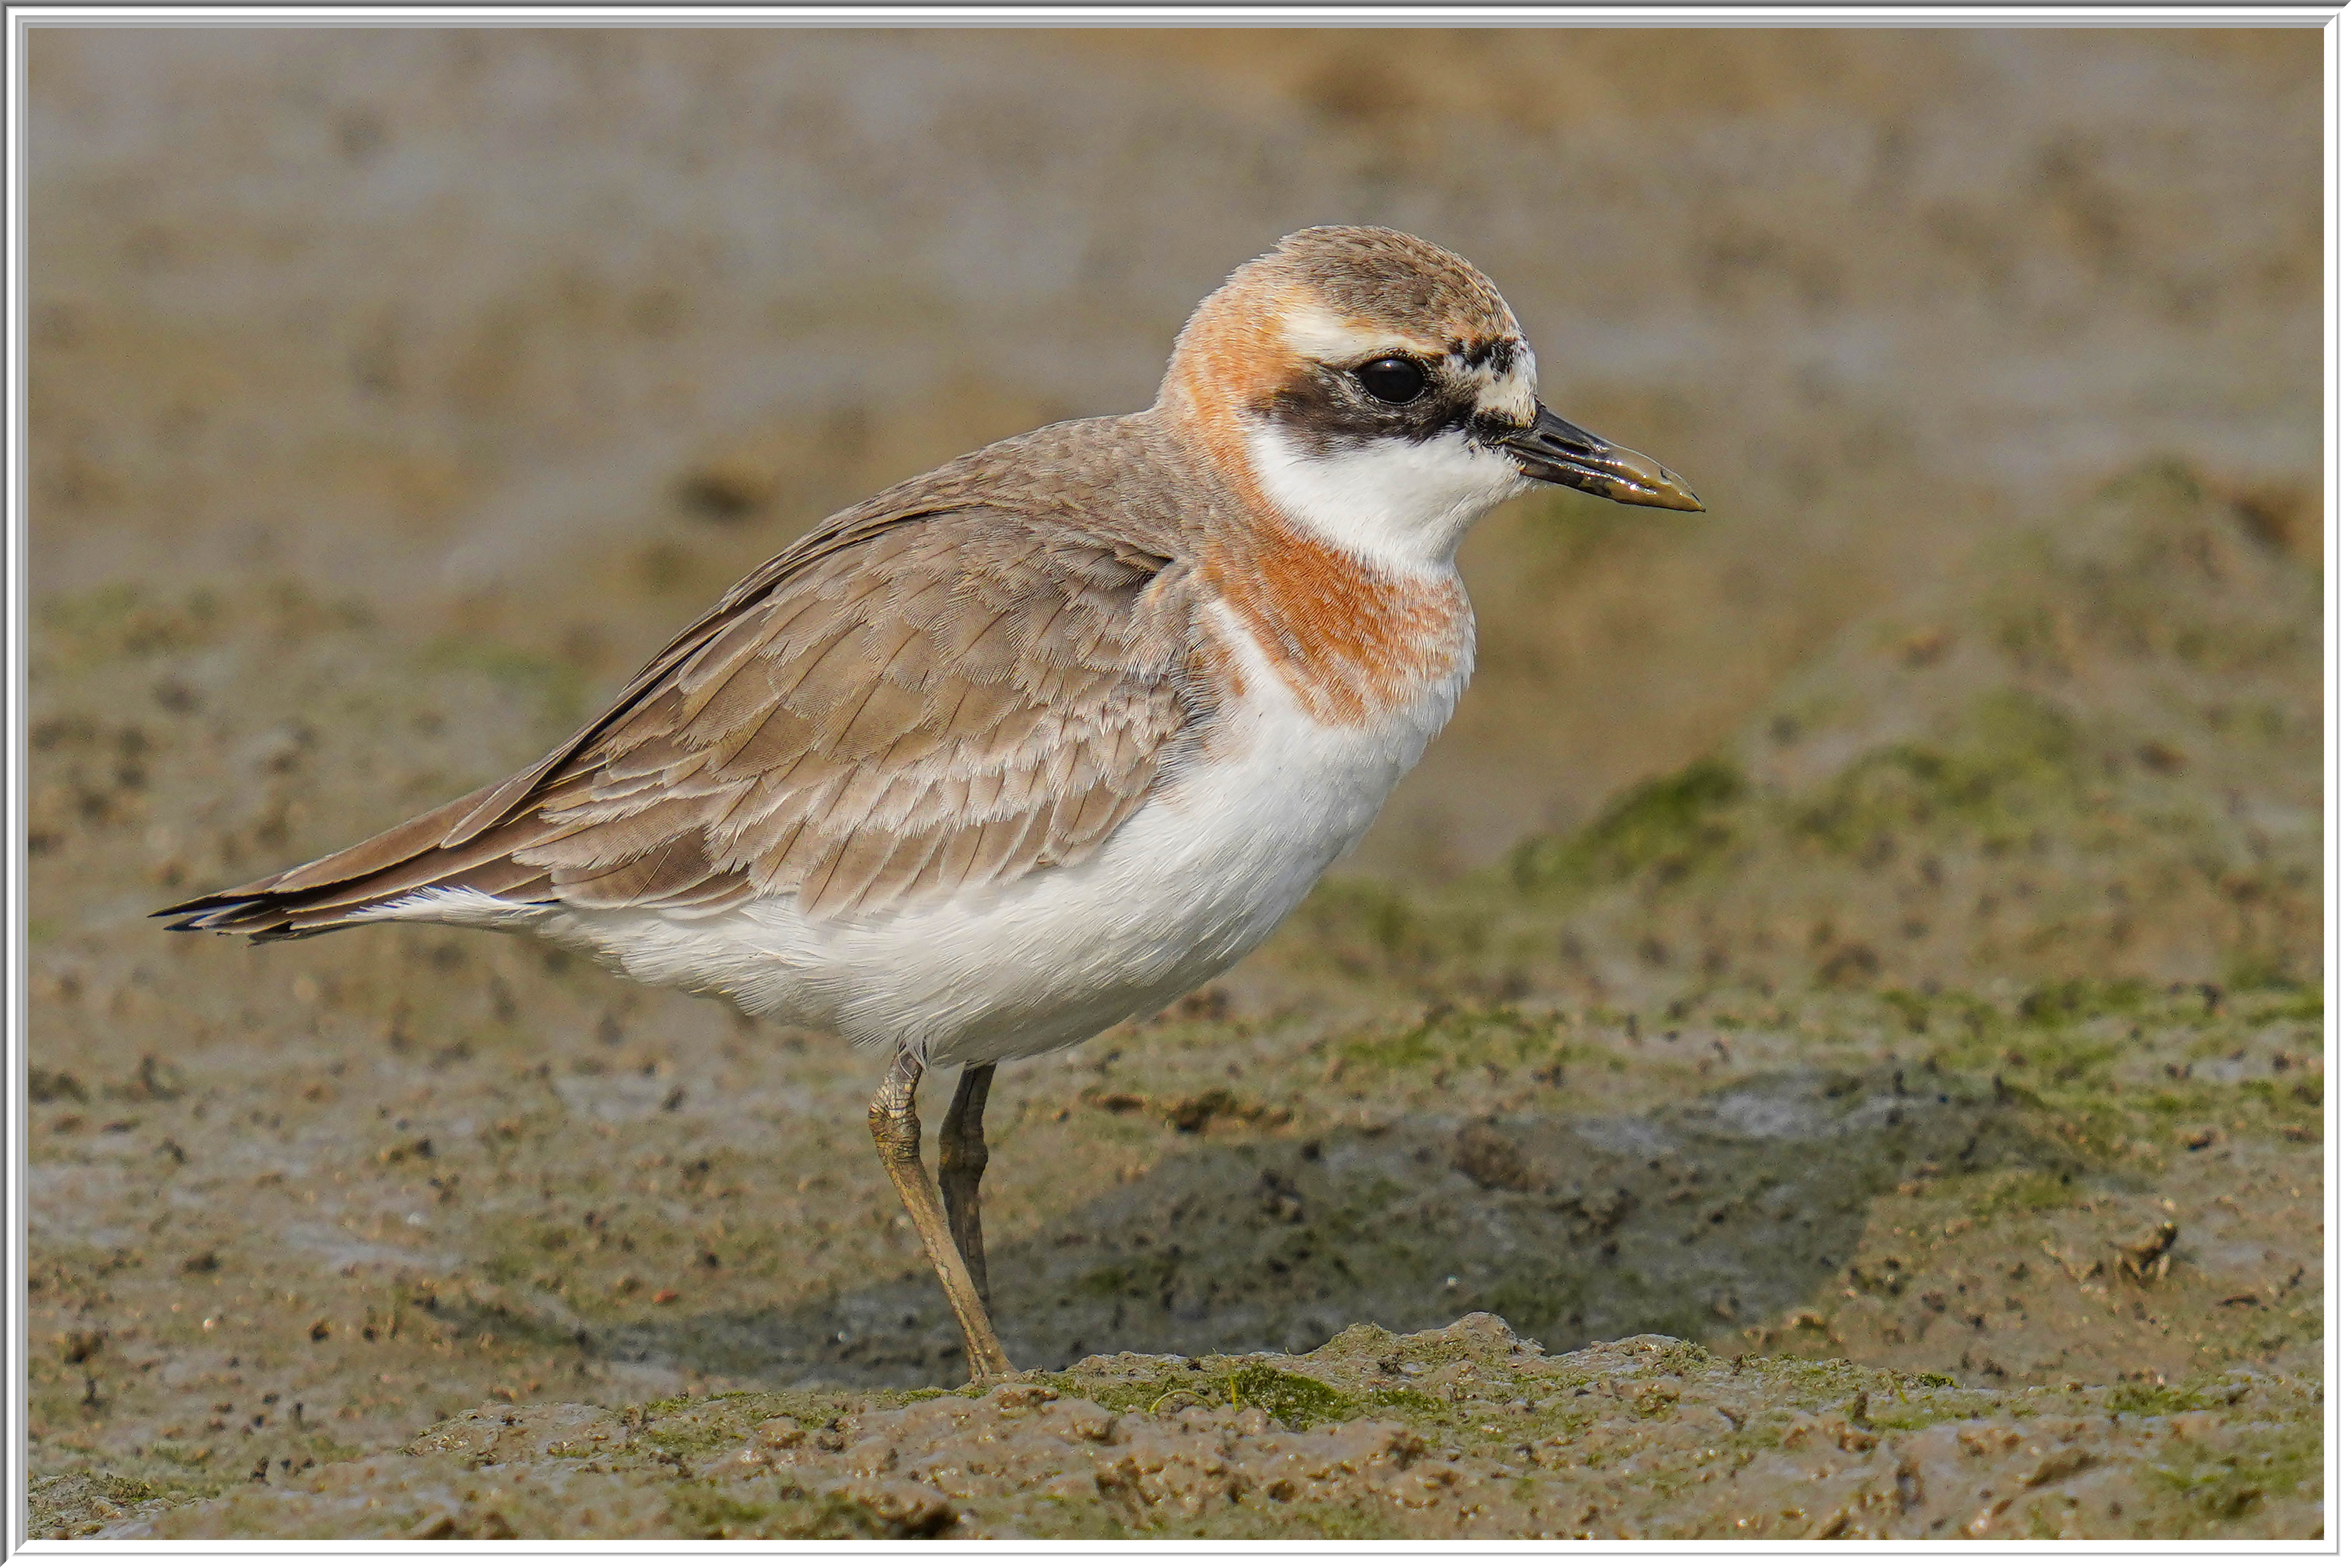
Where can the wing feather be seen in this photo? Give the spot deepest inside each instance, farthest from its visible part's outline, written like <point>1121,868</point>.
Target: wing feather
<point>945,688</point>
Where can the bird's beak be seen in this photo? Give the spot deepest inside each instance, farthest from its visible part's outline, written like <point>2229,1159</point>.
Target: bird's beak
<point>1558,453</point>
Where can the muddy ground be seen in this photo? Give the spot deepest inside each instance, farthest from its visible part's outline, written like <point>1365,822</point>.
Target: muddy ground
<point>1853,1066</point>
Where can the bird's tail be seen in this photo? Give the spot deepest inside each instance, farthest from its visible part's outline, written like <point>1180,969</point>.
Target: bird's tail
<point>355,885</point>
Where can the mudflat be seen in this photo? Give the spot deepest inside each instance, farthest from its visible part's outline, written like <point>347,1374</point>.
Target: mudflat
<point>1828,1043</point>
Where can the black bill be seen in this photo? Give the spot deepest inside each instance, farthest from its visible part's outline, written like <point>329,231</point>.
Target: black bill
<point>1558,453</point>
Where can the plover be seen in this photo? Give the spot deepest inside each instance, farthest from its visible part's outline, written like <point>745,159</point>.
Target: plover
<point>1046,737</point>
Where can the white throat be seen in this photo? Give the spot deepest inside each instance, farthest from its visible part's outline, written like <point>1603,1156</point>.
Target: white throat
<point>1401,505</point>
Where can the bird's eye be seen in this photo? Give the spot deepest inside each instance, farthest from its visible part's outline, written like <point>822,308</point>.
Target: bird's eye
<point>1393,379</point>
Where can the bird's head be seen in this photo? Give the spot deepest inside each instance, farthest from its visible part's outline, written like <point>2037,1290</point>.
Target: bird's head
<point>1378,391</point>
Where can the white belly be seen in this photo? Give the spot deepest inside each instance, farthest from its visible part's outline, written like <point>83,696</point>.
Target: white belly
<point>1191,883</point>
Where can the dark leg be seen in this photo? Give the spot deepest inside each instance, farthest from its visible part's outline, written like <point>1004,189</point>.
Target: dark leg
<point>898,1138</point>
<point>964,1155</point>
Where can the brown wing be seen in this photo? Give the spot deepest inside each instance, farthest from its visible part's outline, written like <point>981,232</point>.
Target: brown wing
<point>893,710</point>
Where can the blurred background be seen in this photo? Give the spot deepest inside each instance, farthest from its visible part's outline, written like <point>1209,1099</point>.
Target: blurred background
<point>537,339</point>
<point>394,393</point>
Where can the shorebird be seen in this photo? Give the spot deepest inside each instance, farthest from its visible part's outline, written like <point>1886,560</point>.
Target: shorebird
<point>1042,739</point>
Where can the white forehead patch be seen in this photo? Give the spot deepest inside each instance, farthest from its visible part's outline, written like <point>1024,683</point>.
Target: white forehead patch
<point>1513,393</point>
<point>1402,506</point>
<point>1315,334</point>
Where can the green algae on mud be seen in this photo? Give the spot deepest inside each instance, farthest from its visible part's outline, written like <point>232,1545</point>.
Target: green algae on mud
<point>2088,758</point>
<point>1463,1430</point>
<point>1972,1159</point>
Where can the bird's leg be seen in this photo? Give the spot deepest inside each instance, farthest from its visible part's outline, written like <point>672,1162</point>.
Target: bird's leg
<point>899,1137</point>
<point>964,1155</point>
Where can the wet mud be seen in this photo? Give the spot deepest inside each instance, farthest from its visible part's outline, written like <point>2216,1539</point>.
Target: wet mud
<point>1828,1043</point>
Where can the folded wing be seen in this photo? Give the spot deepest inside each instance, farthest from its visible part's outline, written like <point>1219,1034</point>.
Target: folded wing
<point>894,711</point>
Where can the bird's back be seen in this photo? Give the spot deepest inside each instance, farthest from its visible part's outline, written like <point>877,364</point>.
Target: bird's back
<point>975,673</point>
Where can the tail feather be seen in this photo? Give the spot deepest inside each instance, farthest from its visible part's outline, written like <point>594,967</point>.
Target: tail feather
<point>336,891</point>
